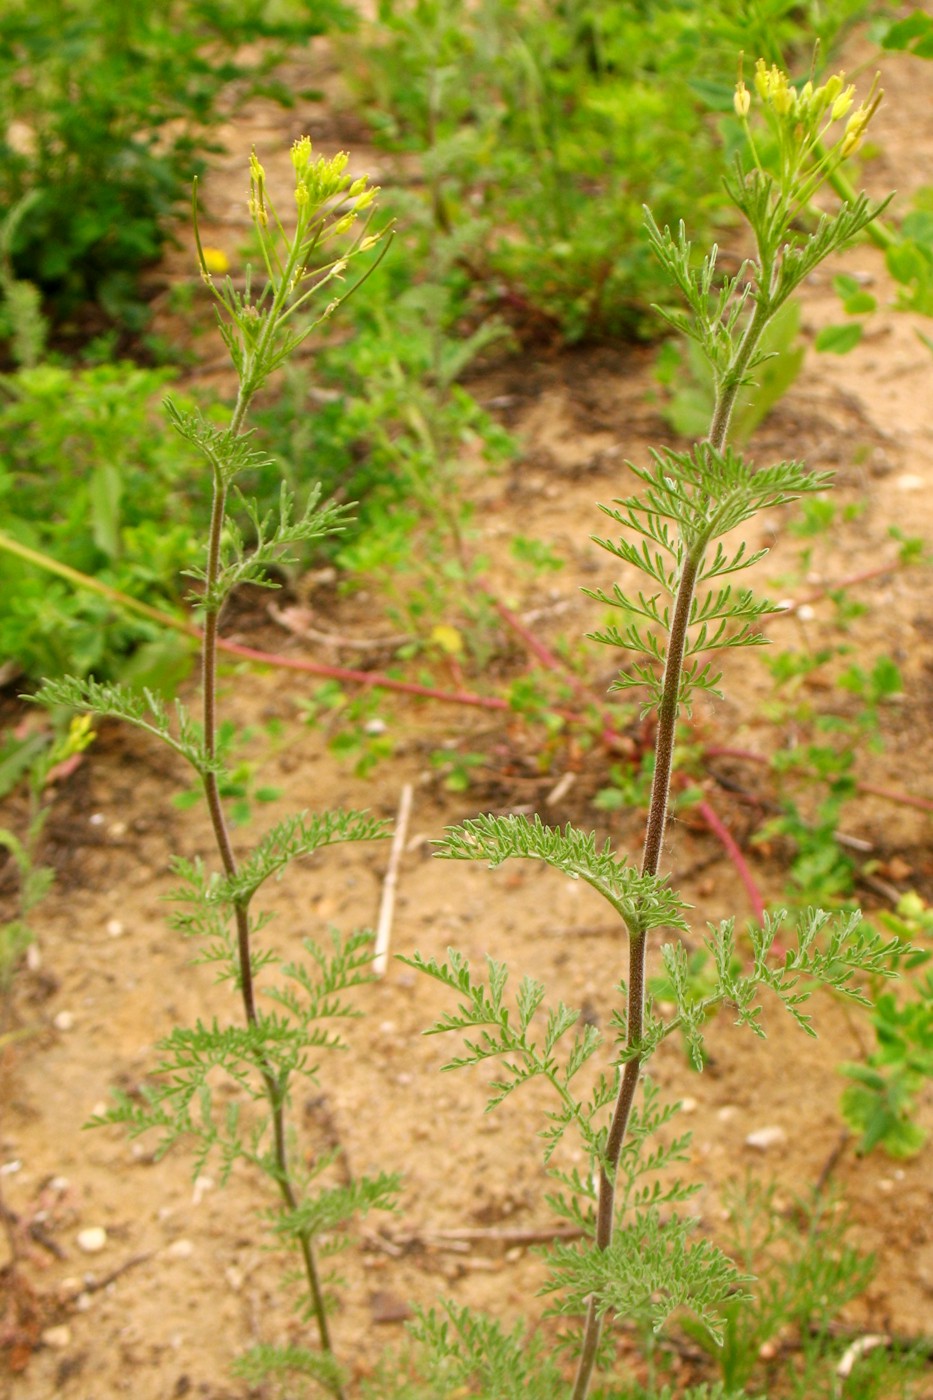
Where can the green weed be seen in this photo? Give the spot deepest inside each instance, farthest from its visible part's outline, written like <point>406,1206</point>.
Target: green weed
<point>105,113</point>
<point>635,1260</point>
<point>287,1023</point>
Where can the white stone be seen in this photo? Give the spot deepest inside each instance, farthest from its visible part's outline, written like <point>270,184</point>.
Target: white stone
<point>64,1021</point>
<point>180,1249</point>
<point>92,1240</point>
<point>57,1337</point>
<point>763,1138</point>
<point>115,928</point>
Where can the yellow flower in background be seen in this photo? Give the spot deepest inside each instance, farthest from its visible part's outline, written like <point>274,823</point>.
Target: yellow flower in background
<point>216,260</point>
<point>448,638</point>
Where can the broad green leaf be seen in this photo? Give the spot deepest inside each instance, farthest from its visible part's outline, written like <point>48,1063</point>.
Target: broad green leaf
<point>838,340</point>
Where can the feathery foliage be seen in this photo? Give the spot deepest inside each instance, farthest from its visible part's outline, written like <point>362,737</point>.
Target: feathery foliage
<point>634,1260</point>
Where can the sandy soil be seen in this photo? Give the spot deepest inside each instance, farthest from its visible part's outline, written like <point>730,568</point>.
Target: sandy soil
<point>185,1279</point>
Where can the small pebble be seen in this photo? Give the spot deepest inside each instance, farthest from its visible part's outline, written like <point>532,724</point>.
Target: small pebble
<point>180,1249</point>
<point>763,1138</point>
<point>92,1240</point>
<point>64,1021</point>
<point>201,1186</point>
<point>728,1111</point>
<point>57,1337</point>
<point>11,1168</point>
<point>115,928</point>
<point>96,819</point>
<point>688,1105</point>
<point>84,1302</point>
<point>388,1307</point>
<point>910,482</point>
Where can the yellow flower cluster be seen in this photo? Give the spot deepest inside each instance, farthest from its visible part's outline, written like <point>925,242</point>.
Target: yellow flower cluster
<point>318,179</point>
<point>809,106</point>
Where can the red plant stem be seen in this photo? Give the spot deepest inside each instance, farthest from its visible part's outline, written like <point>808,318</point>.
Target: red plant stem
<point>549,660</point>
<point>724,835</point>
<point>366,678</point>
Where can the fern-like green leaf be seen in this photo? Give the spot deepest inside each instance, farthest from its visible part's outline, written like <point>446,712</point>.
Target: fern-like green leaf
<point>643,901</point>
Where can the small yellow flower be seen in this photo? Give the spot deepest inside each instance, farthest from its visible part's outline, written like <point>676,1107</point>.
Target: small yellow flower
<point>301,154</point>
<point>783,97</point>
<point>762,79</point>
<point>742,100</point>
<point>855,126</point>
<point>216,260</point>
<point>842,103</point>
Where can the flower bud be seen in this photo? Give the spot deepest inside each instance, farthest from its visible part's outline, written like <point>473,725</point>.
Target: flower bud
<point>842,103</point>
<point>762,79</point>
<point>742,99</point>
<point>783,97</point>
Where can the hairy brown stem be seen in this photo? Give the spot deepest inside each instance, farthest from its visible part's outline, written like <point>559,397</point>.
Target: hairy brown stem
<point>638,943</point>
<point>273,1083</point>
<point>668,709</point>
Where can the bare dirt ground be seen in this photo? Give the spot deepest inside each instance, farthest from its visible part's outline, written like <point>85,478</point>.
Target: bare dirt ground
<point>185,1279</point>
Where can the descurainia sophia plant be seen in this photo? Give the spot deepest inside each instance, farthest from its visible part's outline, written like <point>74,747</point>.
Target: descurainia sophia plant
<point>633,1263</point>
<point>264,1053</point>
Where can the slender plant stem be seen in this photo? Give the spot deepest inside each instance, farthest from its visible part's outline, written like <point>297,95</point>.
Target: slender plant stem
<point>668,710</point>
<point>274,1083</point>
<point>730,845</point>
